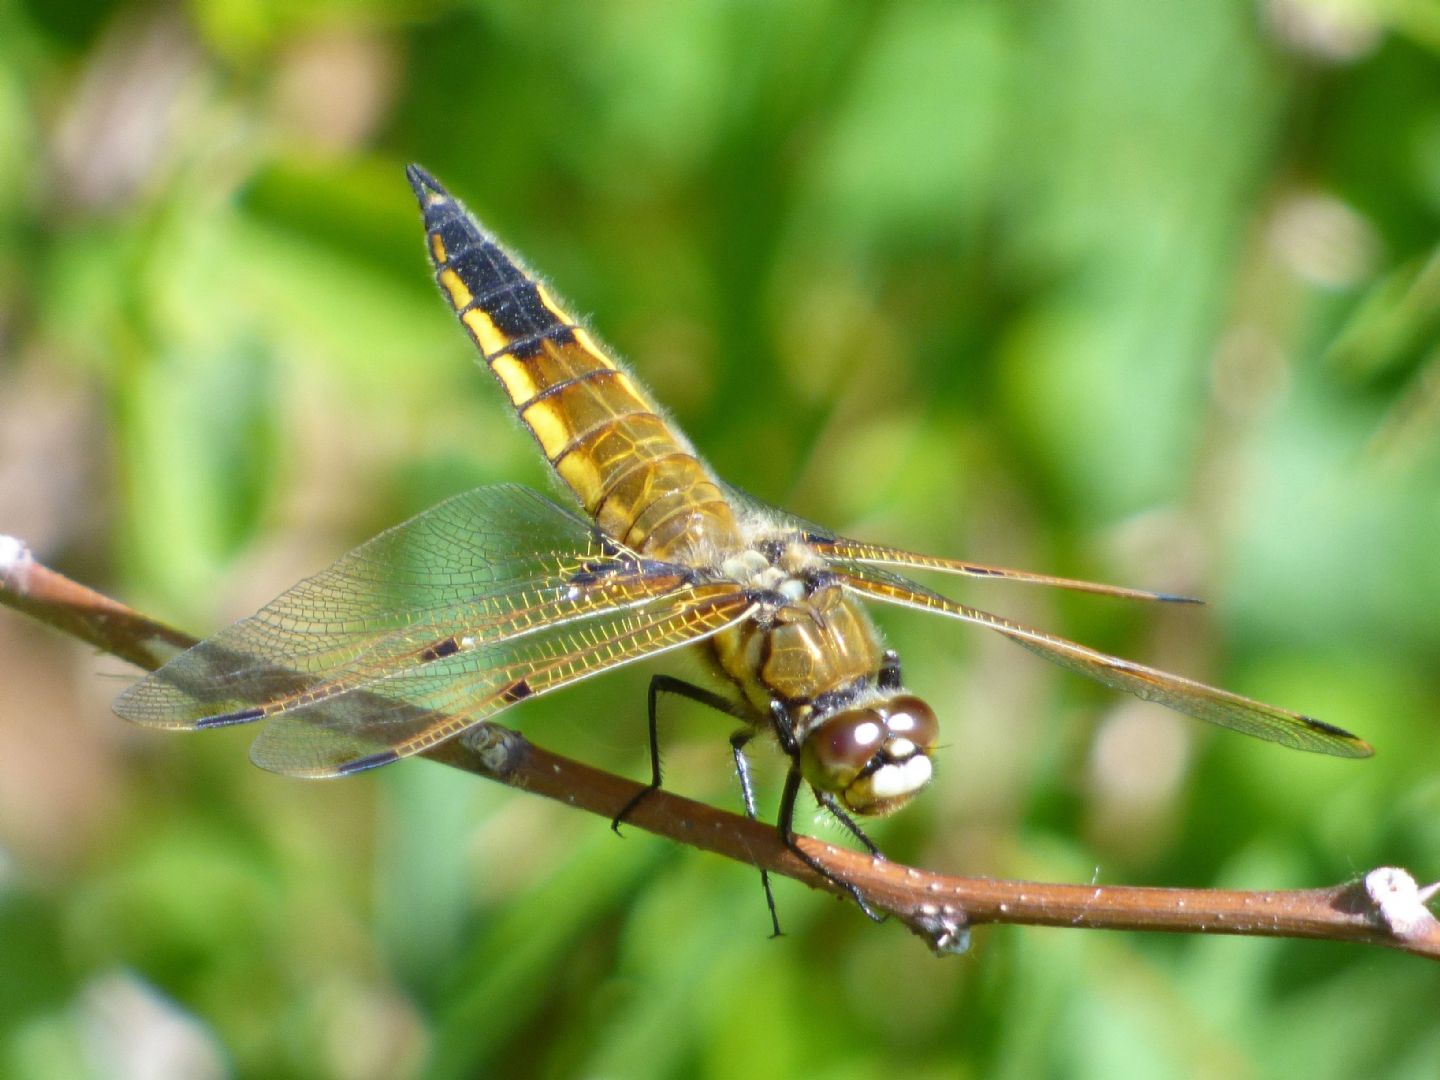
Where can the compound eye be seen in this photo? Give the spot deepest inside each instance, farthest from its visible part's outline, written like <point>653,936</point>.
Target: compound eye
<point>907,717</point>
<point>836,751</point>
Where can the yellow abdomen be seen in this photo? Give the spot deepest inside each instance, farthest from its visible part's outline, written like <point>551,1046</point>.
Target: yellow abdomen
<point>635,474</point>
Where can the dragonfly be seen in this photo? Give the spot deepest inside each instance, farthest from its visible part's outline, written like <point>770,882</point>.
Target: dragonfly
<point>500,594</point>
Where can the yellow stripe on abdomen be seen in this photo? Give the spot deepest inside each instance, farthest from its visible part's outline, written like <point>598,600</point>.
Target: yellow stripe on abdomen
<point>595,424</point>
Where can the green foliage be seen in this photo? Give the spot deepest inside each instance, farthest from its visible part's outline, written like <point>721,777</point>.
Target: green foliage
<point>1139,291</point>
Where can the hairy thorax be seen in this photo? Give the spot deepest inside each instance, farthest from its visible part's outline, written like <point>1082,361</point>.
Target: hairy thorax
<point>809,641</point>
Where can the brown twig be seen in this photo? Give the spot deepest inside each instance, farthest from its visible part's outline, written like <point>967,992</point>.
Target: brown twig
<point>38,591</point>
<point>1384,907</point>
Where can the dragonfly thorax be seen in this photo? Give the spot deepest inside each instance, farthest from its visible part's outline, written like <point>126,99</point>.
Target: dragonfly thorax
<point>810,661</point>
<point>753,569</point>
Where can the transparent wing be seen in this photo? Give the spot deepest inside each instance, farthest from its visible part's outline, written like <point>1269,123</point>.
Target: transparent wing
<point>488,581</point>
<point>414,707</point>
<point>853,554</point>
<point>1183,695</point>
<point>847,556</point>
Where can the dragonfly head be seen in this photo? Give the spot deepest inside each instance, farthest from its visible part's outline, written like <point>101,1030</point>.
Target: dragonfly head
<point>873,758</point>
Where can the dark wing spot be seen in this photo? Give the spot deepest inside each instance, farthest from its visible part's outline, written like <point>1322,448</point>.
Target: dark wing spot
<point>240,716</point>
<point>516,692</point>
<point>448,647</point>
<point>1328,729</point>
<point>373,761</point>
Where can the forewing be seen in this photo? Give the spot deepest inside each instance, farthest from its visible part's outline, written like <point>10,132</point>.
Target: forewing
<point>487,566</point>
<point>851,555</point>
<point>1183,695</point>
<point>417,706</point>
<point>856,556</point>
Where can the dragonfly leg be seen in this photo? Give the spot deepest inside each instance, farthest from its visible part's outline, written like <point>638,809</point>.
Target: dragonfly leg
<point>747,792</point>
<point>889,677</point>
<point>668,684</point>
<point>785,825</point>
<point>791,745</point>
<point>832,804</point>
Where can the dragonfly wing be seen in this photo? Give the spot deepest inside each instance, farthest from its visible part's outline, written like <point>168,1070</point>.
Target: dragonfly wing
<point>855,556</point>
<point>1192,698</point>
<point>415,707</point>
<point>851,555</point>
<point>489,565</point>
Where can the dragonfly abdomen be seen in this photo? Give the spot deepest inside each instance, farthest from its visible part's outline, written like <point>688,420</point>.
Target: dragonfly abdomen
<point>635,474</point>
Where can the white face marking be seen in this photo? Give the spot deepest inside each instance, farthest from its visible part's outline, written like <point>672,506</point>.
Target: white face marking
<point>900,748</point>
<point>867,734</point>
<point>792,589</point>
<point>906,778</point>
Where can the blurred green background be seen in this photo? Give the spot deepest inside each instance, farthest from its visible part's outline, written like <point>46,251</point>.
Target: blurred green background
<point>1141,290</point>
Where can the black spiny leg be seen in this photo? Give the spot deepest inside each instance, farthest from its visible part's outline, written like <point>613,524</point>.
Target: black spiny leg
<point>668,684</point>
<point>831,803</point>
<point>785,824</point>
<point>785,821</point>
<point>747,792</point>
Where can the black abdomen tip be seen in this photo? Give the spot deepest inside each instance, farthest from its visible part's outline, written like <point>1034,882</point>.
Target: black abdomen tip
<point>427,188</point>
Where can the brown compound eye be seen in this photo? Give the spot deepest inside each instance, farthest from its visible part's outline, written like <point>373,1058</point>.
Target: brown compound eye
<point>875,759</point>
<point>837,750</point>
<point>908,717</point>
